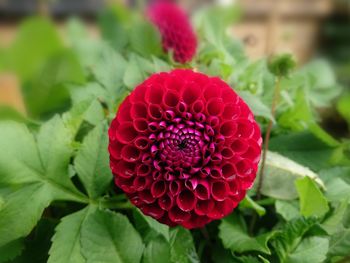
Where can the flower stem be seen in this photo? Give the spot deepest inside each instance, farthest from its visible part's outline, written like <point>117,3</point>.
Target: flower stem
<point>268,135</point>
<point>275,100</point>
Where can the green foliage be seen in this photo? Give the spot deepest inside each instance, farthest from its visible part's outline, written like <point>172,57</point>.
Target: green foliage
<point>92,162</point>
<point>54,171</point>
<point>234,236</point>
<point>312,201</point>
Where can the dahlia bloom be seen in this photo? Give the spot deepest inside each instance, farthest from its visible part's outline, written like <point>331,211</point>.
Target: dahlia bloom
<point>175,29</point>
<point>184,147</point>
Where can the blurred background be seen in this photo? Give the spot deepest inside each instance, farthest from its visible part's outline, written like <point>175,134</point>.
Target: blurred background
<point>308,29</point>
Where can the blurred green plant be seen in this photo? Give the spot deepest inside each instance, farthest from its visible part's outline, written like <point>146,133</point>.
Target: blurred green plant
<point>54,171</point>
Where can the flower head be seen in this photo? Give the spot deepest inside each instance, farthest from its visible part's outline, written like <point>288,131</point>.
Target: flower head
<point>184,147</point>
<point>175,29</point>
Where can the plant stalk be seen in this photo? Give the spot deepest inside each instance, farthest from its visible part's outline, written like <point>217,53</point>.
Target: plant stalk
<point>275,100</point>
<point>267,136</point>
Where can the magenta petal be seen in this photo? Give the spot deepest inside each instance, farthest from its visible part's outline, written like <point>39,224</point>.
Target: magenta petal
<point>177,215</point>
<point>219,190</point>
<point>158,189</point>
<point>186,200</point>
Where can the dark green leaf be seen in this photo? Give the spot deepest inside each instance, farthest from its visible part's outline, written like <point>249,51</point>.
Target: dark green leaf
<point>182,248</point>
<point>340,244</point>
<point>11,250</point>
<point>157,251</point>
<point>234,236</point>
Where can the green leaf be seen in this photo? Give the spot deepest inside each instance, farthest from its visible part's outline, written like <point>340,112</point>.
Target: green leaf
<point>11,250</point>
<point>256,105</point>
<point>247,202</point>
<point>160,65</point>
<point>92,162</point>
<point>18,168</point>
<point>134,74</point>
<point>334,223</point>
<point>337,180</point>
<point>113,29</point>
<point>290,235</point>
<point>109,70</point>
<point>343,107</point>
<point>144,224</point>
<point>46,92</point>
<point>182,249</point>
<point>38,243</point>
<point>55,149</point>
<point>32,176</point>
<point>109,237</point>
<point>89,110</point>
<point>312,201</point>
<point>234,236</point>
<point>304,148</point>
<point>36,40</point>
<point>157,251</point>
<point>145,39</point>
<point>66,247</point>
<point>22,210</point>
<point>340,243</point>
<point>289,210</point>
<point>311,249</point>
<point>280,174</point>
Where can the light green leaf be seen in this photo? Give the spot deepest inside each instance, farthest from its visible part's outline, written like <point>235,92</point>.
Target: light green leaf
<point>134,74</point>
<point>312,201</point>
<point>280,174</point>
<point>160,65</point>
<point>157,251</point>
<point>46,92</point>
<point>145,39</point>
<point>22,210</point>
<point>109,237</point>
<point>92,162</point>
<point>36,40</point>
<point>247,202</point>
<point>340,243</point>
<point>32,180</point>
<point>109,70</point>
<point>234,236</point>
<point>55,149</point>
<point>334,223</point>
<point>11,250</point>
<point>256,105</point>
<point>19,157</point>
<point>112,29</point>
<point>66,246</point>
<point>182,249</point>
<point>311,249</point>
<point>289,210</point>
<point>89,110</point>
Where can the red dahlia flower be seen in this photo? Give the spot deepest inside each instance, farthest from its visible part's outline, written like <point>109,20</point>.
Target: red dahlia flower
<point>184,147</point>
<point>175,29</point>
